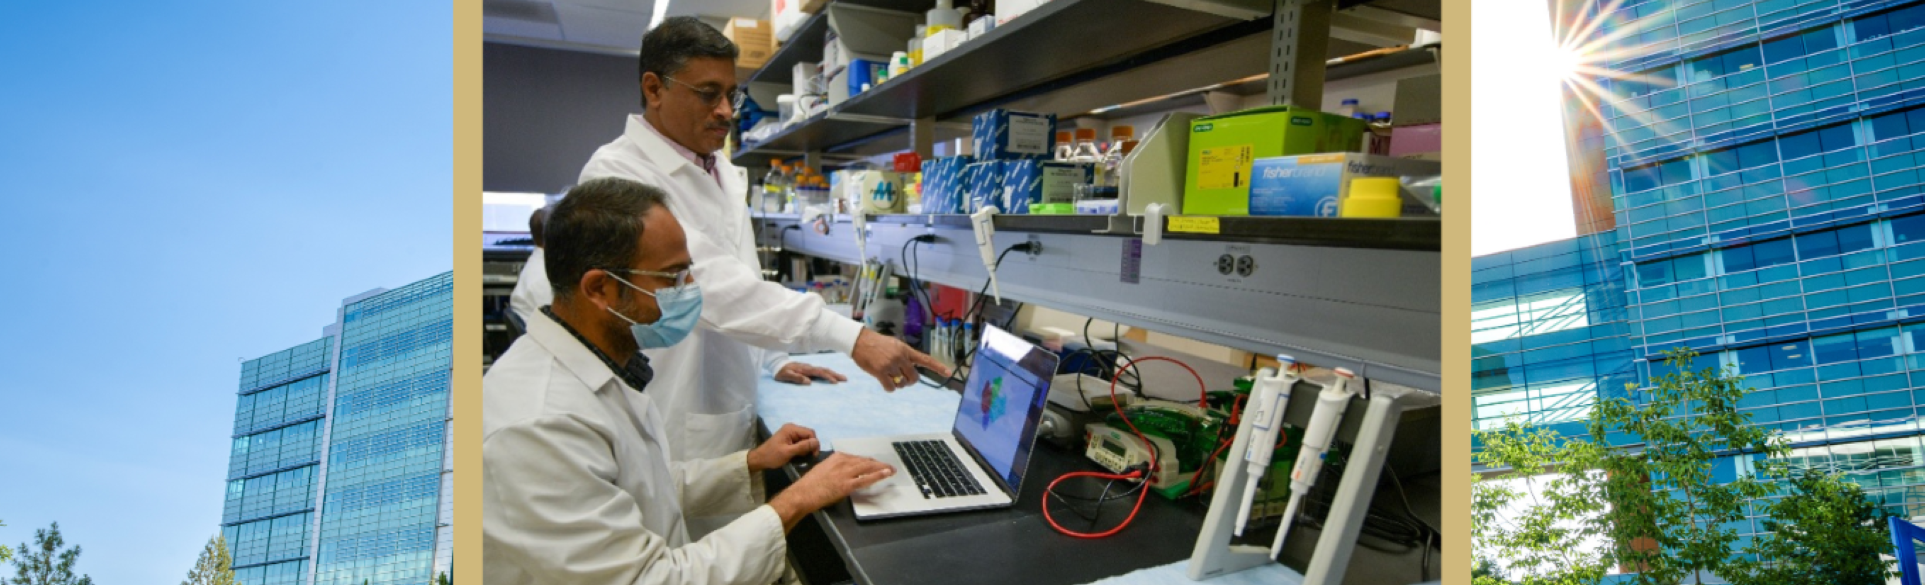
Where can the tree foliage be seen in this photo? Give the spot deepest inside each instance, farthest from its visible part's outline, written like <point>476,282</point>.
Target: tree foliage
<point>1825,532</point>
<point>1549,538</point>
<point>45,563</point>
<point>215,567</point>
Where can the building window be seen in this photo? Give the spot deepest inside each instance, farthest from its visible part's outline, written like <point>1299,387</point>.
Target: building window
<point>1753,256</point>
<point>1722,64</point>
<point>1866,28</point>
<point>1817,141</point>
<point>1799,45</point>
<point>1832,242</point>
<point>1656,175</point>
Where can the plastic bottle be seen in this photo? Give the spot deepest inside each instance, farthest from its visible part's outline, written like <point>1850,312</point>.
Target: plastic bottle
<point>772,193</point>
<point>1122,141</point>
<point>943,17</point>
<point>968,336</point>
<point>1349,108</point>
<point>915,45</point>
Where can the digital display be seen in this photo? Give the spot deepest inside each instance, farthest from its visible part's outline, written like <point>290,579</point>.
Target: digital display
<point>1113,447</point>
<point>1002,401</point>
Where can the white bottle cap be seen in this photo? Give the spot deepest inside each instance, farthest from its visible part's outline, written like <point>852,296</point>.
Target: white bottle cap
<point>1345,372</point>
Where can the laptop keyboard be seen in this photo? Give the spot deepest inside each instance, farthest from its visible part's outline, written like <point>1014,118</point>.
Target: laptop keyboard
<point>936,470</point>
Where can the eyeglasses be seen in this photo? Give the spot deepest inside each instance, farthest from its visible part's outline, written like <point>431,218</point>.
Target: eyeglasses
<point>680,278</point>
<point>710,97</point>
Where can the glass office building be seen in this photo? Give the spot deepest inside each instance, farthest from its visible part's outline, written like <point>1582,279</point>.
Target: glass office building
<point>340,470</point>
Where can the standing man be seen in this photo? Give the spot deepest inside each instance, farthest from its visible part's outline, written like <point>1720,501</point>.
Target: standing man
<point>577,484</point>
<point>531,288</point>
<point>707,383</point>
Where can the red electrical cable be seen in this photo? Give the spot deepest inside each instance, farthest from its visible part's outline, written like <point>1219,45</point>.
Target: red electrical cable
<point>1203,391</point>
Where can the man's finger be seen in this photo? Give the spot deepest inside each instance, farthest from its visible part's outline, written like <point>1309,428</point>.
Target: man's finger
<point>834,375</point>
<point>928,362</point>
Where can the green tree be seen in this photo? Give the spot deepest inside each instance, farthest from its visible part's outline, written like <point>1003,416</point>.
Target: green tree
<point>1667,518</point>
<point>5,553</point>
<point>215,567</point>
<point>1825,532</point>
<point>1487,573</point>
<point>45,563</point>
<point>1549,536</point>
<point>447,578</point>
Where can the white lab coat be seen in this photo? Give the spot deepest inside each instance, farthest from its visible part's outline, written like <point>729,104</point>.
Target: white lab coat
<point>532,291</point>
<point>706,383</point>
<point>577,485</point>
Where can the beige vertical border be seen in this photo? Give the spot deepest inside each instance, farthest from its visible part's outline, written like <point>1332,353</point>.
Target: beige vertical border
<point>1456,298</point>
<point>467,261</point>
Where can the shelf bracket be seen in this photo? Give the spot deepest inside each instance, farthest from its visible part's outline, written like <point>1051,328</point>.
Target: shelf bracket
<point>922,137</point>
<point>1299,45</point>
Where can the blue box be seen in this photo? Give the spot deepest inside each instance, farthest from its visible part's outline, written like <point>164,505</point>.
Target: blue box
<point>986,185</point>
<point>1029,182</point>
<point>942,187</point>
<point>1005,135</point>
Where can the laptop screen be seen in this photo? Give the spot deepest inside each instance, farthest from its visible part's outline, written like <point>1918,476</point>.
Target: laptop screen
<point>1002,402</point>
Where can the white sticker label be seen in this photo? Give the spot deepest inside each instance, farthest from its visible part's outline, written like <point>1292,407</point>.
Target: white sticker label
<point>1028,134</point>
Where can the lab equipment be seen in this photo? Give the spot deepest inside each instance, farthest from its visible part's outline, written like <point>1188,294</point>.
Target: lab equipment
<point>915,45</point>
<point>1118,450</point>
<point>1122,141</point>
<point>943,17</point>
<point>1348,109</point>
<point>1264,416</point>
<point>1380,133</point>
<point>1064,146</point>
<point>983,460</point>
<point>1028,185</point>
<point>1314,185</point>
<point>1222,149</point>
<point>983,220</point>
<point>1331,404</point>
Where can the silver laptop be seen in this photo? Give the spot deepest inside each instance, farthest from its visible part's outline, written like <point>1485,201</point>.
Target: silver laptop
<point>981,461</point>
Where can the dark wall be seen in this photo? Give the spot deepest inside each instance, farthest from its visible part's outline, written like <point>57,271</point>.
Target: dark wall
<point>545,111</point>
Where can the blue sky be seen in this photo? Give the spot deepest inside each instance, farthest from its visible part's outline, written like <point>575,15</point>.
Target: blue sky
<point>186,186</point>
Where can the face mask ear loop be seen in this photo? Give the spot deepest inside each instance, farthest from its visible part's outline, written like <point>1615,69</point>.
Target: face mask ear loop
<point>611,310</point>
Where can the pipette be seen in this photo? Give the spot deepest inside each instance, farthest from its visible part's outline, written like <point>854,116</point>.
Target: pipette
<point>1265,418</point>
<point>983,222</point>
<point>1316,443</point>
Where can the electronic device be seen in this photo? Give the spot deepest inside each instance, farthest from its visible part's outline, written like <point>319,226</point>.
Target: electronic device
<point>1118,449</point>
<point>980,463</point>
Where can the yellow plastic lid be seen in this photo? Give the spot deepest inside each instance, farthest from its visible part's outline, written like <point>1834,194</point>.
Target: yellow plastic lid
<point>1373,197</point>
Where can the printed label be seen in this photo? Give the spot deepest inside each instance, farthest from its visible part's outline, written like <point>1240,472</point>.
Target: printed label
<point>1029,135</point>
<point>1194,225</point>
<point>1224,167</point>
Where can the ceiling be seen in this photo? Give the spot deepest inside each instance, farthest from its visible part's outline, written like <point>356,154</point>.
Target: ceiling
<point>603,26</point>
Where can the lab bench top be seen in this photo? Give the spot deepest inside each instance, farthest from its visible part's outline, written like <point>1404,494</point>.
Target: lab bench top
<point>1016,544</point>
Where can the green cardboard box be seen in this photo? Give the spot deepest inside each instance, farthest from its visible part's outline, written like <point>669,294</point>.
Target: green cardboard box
<point>1223,147</point>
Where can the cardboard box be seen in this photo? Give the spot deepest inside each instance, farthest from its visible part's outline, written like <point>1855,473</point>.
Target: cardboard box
<point>986,185</point>
<point>870,190</point>
<point>942,184</point>
<point>1007,10</point>
<point>1314,185</point>
<point>754,40</point>
<point>1005,135</point>
<point>1031,182</point>
<point>1223,148</point>
<point>941,42</point>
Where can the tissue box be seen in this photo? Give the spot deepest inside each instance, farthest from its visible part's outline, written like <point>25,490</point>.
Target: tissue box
<point>1217,175</point>
<point>1312,185</point>
<point>1002,134</point>
<point>985,185</point>
<point>1037,182</point>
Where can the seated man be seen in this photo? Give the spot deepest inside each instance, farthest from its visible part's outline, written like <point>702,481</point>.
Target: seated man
<point>577,482</point>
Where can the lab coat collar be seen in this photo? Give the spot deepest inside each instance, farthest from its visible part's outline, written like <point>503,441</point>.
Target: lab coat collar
<point>574,356</point>
<point>655,147</point>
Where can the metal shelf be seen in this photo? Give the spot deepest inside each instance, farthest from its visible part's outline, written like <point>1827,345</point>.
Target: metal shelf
<point>817,133</point>
<point>804,45</point>
<point>1370,309</point>
<point>1059,38</point>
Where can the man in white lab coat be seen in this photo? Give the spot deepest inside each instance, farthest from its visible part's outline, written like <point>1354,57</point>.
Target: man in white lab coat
<point>707,384</point>
<point>532,291</point>
<point>577,485</point>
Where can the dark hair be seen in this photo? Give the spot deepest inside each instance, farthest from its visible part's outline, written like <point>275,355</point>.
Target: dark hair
<point>597,225</point>
<point>668,47</point>
<point>536,221</point>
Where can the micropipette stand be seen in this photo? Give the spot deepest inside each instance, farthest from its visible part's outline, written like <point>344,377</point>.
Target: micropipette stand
<point>1370,434</point>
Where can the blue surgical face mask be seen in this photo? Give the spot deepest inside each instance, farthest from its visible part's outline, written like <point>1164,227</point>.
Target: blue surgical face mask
<point>681,309</point>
